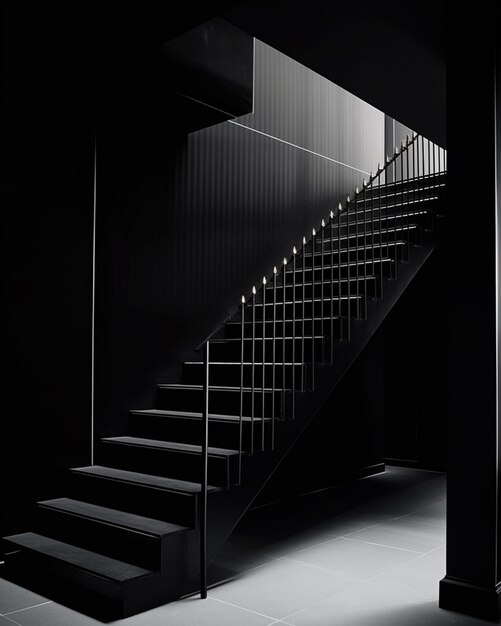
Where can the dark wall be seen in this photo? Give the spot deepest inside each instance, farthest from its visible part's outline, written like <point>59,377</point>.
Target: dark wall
<point>187,224</point>
<point>46,248</point>
<point>416,357</point>
<point>67,70</point>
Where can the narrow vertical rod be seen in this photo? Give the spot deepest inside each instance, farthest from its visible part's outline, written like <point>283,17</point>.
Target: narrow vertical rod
<point>339,271</point>
<point>203,486</point>
<point>331,275</point>
<point>303,311</point>
<point>364,256</point>
<point>407,182</point>
<point>395,221</point>
<point>348,303</point>
<point>356,258</point>
<point>402,191</point>
<point>284,290</point>
<point>380,225</point>
<point>322,287</point>
<point>253,366</point>
<point>313,310</point>
<point>263,364</point>
<point>274,358</point>
<point>294,253</point>
<point>241,417</point>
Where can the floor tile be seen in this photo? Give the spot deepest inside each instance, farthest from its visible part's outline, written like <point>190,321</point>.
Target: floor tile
<point>378,604</point>
<point>432,514</point>
<point>421,576</point>
<point>361,560</point>
<point>13,597</point>
<point>188,612</point>
<point>282,587</point>
<point>403,533</point>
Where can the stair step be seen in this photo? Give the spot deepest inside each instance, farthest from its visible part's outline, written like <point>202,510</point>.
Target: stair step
<point>367,233</point>
<point>359,248</point>
<point>121,519</point>
<point>144,480</point>
<point>170,445</point>
<point>185,426</point>
<point>171,458</point>
<point>117,572</point>
<point>335,281</point>
<point>336,266</point>
<point>181,387</point>
<point>213,417</point>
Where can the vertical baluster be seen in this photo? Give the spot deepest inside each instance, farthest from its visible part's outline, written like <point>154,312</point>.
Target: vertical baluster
<point>348,303</point>
<point>322,286</point>
<point>407,185</point>
<point>241,416</point>
<point>356,258</point>
<point>364,252</point>
<point>431,188</point>
<point>253,366</point>
<point>294,253</point>
<point>402,191</point>
<point>380,224</point>
<point>273,357</point>
<point>284,300</point>
<point>204,481</point>
<point>303,311</point>
<point>331,275</point>
<point>263,365</point>
<point>373,267</point>
<point>395,218</point>
<point>339,272</point>
<point>313,325</point>
<point>366,247</point>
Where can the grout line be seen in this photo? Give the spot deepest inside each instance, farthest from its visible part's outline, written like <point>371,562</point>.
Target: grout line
<point>11,620</point>
<point>27,608</point>
<point>383,545</point>
<point>326,569</point>
<point>288,143</point>
<point>237,606</point>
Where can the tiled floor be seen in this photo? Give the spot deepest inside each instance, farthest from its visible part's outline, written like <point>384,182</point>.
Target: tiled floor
<point>366,554</point>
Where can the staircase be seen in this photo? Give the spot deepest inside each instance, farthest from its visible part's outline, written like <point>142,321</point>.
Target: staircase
<point>138,530</point>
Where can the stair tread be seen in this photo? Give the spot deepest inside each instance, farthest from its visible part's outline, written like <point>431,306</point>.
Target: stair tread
<point>92,562</point>
<point>258,323</point>
<point>288,319</point>
<point>399,242</point>
<point>112,516</point>
<point>269,287</point>
<point>189,387</point>
<point>147,480</point>
<point>337,265</point>
<point>194,415</point>
<point>170,445</point>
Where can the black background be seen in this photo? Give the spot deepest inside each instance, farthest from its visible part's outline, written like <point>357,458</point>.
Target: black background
<point>76,70</point>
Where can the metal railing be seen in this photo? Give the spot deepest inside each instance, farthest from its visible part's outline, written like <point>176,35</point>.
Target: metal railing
<point>403,182</point>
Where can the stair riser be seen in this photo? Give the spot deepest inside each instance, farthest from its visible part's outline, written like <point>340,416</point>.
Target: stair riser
<point>334,273</point>
<point>222,471</point>
<point>234,331</point>
<point>386,249</point>
<point>335,289</point>
<point>232,351</point>
<point>406,232</point>
<point>178,508</point>
<point>311,309</point>
<point>193,374</point>
<point>221,434</point>
<point>119,543</point>
<point>222,402</point>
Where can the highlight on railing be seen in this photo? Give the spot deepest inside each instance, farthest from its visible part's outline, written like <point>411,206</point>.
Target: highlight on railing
<point>341,266</point>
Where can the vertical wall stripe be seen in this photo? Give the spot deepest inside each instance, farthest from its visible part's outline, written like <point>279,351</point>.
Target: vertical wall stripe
<point>93,306</point>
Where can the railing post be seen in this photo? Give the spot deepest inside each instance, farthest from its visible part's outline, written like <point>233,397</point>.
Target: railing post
<point>253,368</point>
<point>293,334</point>
<point>273,358</point>
<point>263,365</point>
<point>203,485</point>
<point>240,424</point>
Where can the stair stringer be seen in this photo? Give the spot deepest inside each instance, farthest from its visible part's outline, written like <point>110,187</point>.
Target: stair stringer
<point>225,509</point>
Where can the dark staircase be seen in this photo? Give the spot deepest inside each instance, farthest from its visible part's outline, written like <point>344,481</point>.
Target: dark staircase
<point>128,537</point>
